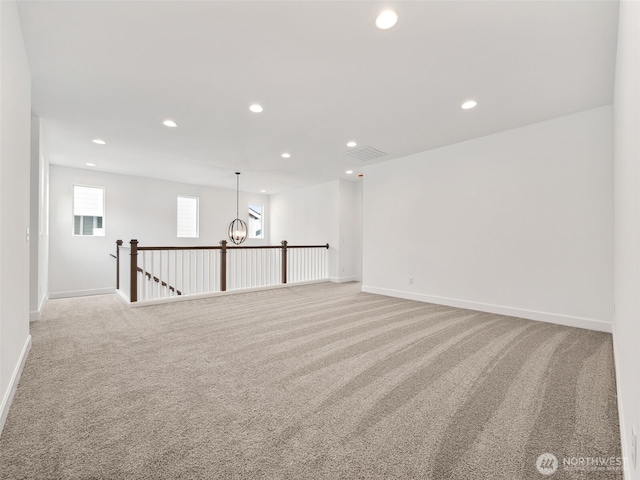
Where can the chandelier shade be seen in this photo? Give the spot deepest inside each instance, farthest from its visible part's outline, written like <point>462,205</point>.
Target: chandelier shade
<point>237,230</point>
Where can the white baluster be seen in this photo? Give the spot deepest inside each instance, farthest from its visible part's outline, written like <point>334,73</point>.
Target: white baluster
<point>314,261</point>
<point>204,265</point>
<point>175,272</point>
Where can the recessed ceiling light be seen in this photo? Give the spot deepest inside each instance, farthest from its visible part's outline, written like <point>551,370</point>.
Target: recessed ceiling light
<point>255,108</point>
<point>351,144</point>
<point>98,141</point>
<point>263,191</point>
<point>90,164</point>
<point>170,123</point>
<point>469,104</point>
<point>349,172</point>
<point>286,155</point>
<point>386,20</point>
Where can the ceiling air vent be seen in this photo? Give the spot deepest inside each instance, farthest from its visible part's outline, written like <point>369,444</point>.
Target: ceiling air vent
<point>365,153</point>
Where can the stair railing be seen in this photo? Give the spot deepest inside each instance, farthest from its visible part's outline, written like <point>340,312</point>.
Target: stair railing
<point>164,272</point>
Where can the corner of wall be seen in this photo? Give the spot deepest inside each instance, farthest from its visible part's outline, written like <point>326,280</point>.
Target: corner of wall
<point>15,128</point>
<point>35,315</point>
<point>626,327</point>
<point>13,384</point>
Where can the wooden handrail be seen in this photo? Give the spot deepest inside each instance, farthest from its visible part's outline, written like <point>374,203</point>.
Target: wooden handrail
<point>284,261</point>
<point>157,280</point>
<point>223,265</point>
<point>133,294</point>
<point>133,271</point>
<point>118,245</point>
<point>234,247</point>
<point>326,245</point>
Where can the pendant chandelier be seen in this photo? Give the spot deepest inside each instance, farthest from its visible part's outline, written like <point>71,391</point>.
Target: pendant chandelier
<point>237,231</point>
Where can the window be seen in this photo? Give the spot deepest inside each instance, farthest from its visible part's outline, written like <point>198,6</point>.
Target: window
<point>88,211</point>
<point>255,221</point>
<point>188,217</point>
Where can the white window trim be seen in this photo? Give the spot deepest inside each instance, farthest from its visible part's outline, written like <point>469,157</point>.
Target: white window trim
<point>261,237</point>
<point>73,208</point>
<point>197,233</point>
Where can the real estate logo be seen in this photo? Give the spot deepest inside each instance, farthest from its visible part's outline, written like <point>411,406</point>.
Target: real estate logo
<point>547,464</point>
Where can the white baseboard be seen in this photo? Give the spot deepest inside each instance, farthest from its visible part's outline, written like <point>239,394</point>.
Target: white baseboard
<point>35,316</point>
<point>123,296</point>
<point>559,319</point>
<point>184,298</point>
<point>623,436</point>
<point>82,293</point>
<point>344,279</point>
<point>13,384</point>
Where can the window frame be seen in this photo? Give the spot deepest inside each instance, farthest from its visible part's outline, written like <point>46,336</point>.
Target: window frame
<point>261,237</point>
<point>190,197</point>
<point>73,211</point>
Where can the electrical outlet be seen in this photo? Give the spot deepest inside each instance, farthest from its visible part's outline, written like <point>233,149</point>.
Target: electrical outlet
<point>634,447</point>
<point>410,280</point>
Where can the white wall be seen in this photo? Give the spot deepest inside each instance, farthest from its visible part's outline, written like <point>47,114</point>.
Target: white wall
<point>15,125</point>
<point>626,120</point>
<point>350,230</point>
<point>358,231</point>
<point>43,225</point>
<point>519,222</point>
<point>136,207</point>
<point>34,204</point>
<point>308,216</point>
<point>39,214</point>
<point>319,214</point>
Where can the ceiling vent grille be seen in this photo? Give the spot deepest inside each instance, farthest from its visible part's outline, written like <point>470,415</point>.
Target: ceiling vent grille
<point>365,153</point>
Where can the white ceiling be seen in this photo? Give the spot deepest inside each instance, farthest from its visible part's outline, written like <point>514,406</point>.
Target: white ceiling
<point>322,71</point>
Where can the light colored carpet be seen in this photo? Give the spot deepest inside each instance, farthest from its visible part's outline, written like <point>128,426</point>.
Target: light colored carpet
<point>307,382</point>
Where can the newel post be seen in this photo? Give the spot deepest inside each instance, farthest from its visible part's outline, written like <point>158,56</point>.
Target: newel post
<point>284,261</point>
<point>118,245</point>
<point>133,294</point>
<point>223,266</point>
